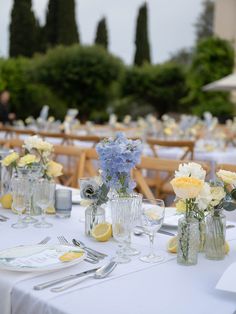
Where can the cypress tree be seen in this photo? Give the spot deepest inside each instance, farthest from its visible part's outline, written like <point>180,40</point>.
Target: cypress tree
<point>61,27</point>
<point>102,34</point>
<point>142,53</point>
<point>23,29</point>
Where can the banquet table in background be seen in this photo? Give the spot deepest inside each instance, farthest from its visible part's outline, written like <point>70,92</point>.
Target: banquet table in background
<point>132,288</point>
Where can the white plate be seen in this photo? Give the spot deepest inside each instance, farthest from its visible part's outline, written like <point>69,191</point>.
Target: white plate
<point>171,217</point>
<point>37,258</point>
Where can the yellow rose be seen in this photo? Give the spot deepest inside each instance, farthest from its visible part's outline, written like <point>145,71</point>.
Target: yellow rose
<point>168,131</point>
<point>227,177</point>
<point>8,160</point>
<point>217,194</point>
<point>54,169</point>
<point>27,160</point>
<point>187,187</point>
<point>180,206</point>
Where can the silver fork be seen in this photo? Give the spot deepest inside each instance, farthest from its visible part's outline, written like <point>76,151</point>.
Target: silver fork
<point>45,240</point>
<point>90,259</point>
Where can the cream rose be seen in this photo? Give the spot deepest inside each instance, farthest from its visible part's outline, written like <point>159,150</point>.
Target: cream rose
<point>27,160</point>
<point>227,177</point>
<point>54,169</point>
<point>8,160</point>
<point>187,187</point>
<point>35,142</point>
<point>217,194</point>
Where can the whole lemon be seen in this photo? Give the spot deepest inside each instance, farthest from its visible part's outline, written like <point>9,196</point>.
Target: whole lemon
<point>6,201</point>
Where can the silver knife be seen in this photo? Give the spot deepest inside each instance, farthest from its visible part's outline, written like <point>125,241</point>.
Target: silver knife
<point>166,233</point>
<point>4,217</point>
<point>63,279</point>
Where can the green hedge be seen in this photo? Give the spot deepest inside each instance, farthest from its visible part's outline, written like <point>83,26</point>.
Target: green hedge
<point>160,87</point>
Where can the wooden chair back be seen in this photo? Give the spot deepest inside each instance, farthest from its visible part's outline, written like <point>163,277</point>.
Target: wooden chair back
<point>157,183</point>
<point>227,167</point>
<point>188,147</point>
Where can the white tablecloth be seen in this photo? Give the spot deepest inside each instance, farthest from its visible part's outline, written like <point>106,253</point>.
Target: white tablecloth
<point>132,288</point>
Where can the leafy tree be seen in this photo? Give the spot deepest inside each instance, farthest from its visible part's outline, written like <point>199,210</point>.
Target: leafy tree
<point>182,57</point>
<point>61,27</point>
<point>102,34</point>
<point>142,53</point>
<point>161,87</point>
<point>204,24</point>
<point>23,29</point>
<point>213,59</point>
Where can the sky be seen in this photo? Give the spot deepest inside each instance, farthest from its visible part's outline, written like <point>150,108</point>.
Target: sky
<point>171,24</point>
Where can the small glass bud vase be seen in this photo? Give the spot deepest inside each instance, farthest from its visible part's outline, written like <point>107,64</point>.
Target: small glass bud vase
<point>215,235</point>
<point>202,235</point>
<point>94,215</point>
<point>188,241</point>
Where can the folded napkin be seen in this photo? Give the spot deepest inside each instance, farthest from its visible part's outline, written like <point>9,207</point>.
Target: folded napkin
<point>228,280</point>
<point>8,280</point>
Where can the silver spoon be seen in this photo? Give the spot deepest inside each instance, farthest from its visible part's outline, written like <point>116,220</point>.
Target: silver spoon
<point>101,273</point>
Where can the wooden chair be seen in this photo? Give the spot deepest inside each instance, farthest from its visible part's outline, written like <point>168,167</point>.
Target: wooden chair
<point>187,146</point>
<point>158,185</point>
<point>93,139</point>
<point>14,143</point>
<point>91,158</point>
<point>227,167</point>
<point>50,136</point>
<point>73,159</point>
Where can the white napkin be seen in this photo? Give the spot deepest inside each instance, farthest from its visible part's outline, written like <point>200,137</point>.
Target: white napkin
<point>228,280</point>
<point>9,280</point>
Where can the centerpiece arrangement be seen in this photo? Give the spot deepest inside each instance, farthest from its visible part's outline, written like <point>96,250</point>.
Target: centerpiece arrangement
<point>35,162</point>
<point>198,199</point>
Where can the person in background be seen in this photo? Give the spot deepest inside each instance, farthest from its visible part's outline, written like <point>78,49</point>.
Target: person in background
<point>6,117</point>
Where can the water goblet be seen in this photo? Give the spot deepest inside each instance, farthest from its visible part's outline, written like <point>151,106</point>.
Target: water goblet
<point>44,191</point>
<point>153,212</point>
<point>19,201</point>
<point>120,212</point>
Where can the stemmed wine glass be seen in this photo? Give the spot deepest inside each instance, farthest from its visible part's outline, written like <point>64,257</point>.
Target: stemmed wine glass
<point>19,200</point>
<point>153,212</point>
<point>44,192</point>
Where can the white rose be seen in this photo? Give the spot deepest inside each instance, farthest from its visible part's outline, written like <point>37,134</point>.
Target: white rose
<point>205,197</point>
<point>191,169</point>
<point>217,193</point>
<point>227,177</point>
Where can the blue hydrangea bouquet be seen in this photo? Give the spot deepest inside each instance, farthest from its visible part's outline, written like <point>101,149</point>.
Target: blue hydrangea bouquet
<point>118,156</point>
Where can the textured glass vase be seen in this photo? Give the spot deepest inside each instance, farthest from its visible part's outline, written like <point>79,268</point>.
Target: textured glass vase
<point>215,236</point>
<point>188,241</point>
<point>202,235</point>
<point>94,215</point>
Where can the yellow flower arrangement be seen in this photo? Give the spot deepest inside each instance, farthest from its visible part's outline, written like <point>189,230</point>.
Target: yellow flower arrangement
<point>227,177</point>
<point>10,159</point>
<point>27,160</point>
<point>54,169</point>
<point>187,187</point>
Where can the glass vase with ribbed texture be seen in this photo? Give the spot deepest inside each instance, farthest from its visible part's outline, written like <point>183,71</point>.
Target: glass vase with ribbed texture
<point>188,241</point>
<point>215,236</point>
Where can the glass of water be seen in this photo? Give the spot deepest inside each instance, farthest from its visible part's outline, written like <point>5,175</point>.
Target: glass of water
<point>153,212</point>
<point>19,200</point>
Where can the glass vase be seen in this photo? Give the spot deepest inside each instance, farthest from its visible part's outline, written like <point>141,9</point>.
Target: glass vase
<point>202,235</point>
<point>188,241</point>
<point>94,215</point>
<point>215,236</point>
<point>6,175</point>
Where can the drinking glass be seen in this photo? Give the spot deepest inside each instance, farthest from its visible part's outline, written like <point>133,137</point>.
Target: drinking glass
<point>31,174</point>
<point>44,191</point>
<point>135,215</point>
<point>121,217</point>
<point>19,201</point>
<point>63,203</point>
<point>153,212</point>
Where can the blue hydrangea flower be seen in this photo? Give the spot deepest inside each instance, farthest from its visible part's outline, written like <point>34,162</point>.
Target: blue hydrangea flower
<point>117,157</point>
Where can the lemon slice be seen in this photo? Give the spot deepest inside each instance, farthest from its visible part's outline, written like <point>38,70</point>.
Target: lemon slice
<point>6,201</point>
<point>102,232</point>
<point>227,248</point>
<point>51,210</point>
<point>70,256</point>
<point>152,214</point>
<point>172,245</point>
